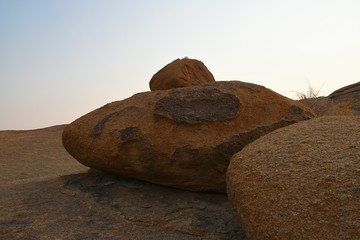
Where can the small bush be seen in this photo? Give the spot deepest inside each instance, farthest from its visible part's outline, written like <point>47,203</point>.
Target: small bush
<point>311,98</point>
<point>310,93</point>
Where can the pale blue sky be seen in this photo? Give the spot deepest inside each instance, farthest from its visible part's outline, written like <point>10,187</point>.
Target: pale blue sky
<point>62,59</point>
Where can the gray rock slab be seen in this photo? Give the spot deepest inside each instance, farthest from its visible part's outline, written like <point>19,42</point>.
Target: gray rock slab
<point>98,205</point>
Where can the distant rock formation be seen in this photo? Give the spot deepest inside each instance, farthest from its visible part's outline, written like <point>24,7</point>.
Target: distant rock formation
<point>350,91</point>
<point>344,101</point>
<point>182,137</point>
<point>181,73</point>
<point>300,182</point>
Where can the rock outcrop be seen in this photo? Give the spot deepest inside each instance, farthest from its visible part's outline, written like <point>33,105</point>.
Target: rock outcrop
<point>350,91</point>
<point>181,73</point>
<point>96,205</point>
<point>300,182</point>
<point>344,101</point>
<point>45,196</point>
<point>181,137</point>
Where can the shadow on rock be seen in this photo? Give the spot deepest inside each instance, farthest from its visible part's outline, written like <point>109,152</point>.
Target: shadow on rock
<point>104,206</point>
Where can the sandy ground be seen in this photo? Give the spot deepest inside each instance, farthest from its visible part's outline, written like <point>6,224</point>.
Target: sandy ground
<point>27,155</point>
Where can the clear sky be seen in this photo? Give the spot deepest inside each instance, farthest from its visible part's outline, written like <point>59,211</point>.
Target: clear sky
<point>62,59</point>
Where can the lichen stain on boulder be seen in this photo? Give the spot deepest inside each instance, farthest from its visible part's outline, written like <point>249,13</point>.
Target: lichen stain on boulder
<point>181,137</point>
<point>198,105</point>
<point>97,130</point>
<point>128,134</point>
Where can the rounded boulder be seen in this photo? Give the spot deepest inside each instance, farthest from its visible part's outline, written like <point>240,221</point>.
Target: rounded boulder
<point>300,182</point>
<point>182,137</point>
<point>179,73</point>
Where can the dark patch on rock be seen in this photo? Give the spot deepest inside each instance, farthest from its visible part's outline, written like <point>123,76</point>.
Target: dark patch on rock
<point>136,146</point>
<point>128,134</point>
<point>297,114</point>
<point>296,110</point>
<point>97,130</point>
<point>97,205</point>
<point>356,192</point>
<point>186,157</point>
<point>196,105</point>
<point>223,152</point>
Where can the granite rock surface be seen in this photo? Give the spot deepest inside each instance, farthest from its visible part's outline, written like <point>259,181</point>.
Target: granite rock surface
<point>300,182</point>
<point>184,72</point>
<point>181,137</point>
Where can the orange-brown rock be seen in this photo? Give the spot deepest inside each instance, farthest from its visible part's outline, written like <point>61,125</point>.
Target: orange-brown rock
<point>300,182</point>
<point>179,73</point>
<point>182,137</point>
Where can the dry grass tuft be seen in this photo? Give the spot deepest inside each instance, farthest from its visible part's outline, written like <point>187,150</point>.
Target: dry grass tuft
<point>311,98</point>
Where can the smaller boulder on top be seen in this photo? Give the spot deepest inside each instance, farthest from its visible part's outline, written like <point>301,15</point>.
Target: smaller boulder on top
<point>179,73</point>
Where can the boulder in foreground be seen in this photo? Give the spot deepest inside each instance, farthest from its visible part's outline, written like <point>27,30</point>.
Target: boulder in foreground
<point>181,137</point>
<point>181,73</point>
<point>300,182</point>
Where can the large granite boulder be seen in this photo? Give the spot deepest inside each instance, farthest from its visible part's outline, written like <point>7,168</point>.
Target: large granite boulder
<point>300,182</point>
<point>184,72</point>
<point>182,137</point>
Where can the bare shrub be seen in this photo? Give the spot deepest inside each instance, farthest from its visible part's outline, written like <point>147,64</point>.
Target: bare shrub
<point>310,93</point>
<point>311,98</point>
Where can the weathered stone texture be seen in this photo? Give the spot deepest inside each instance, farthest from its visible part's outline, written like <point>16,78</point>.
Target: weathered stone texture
<point>97,205</point>
<point>181,73</point>
<point>300,182</point>
<point>180,137</point>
